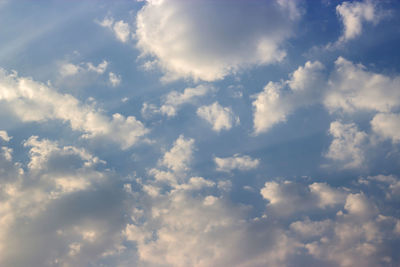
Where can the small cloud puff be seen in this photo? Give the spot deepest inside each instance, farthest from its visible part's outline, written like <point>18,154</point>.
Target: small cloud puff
<point>237,162</point>
<point>221,118</point>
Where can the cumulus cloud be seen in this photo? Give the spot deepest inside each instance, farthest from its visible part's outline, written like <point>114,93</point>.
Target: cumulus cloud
<point>280,99</point>
<point>121,29</point>
<point>353,88</point>
<point>286,198</point>
<point>239,162</point>
<point>115,79</point>
<point>191,224</point>
<point>234,35</point>
<point>172,102</point>
<point>180,155</point>
<point>221,118</point>
<point>4,135</point>
<point>387,125</point>
<point>354,14</point>
<point>347,145</point>
<point>352,237</point>
<point>55,177</point>
<point>69,69</point>
<point>33,101</point>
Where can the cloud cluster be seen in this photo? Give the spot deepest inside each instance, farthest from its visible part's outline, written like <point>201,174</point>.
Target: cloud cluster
<point>195,224</point>
<point>31,101</point>
<point>48,212</point>
<point>234,35</point>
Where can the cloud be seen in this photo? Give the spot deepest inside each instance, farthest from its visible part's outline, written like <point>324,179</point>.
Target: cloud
<point>387,125</point>
<point>348,145</point>
<point>115,79</point>
<point>191,224</point>
<point>4,135</point>
<point>234,36</point>
<point>122,31</point>
<point>32,101</point>
<point>173,101</point>
<point>288,198</point>
<point>353,88</point>
<point>120,28</point>
<point>221,118</point>
<point>69,69</point>
<point>180,155</point>
<point>279,99</point>
<point>239,162</point>
<point>61,192</point>
<point>354,14</point>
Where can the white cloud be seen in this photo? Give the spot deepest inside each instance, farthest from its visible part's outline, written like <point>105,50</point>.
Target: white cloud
<point>387,125</point>
<point>239,162</point>
<point>120,28</point>
<point>122,31</point>
<point>234,36</point>
<point>221,118</point>
<point>180,155</point>
<point>115,79</point>
<point>175,99</point>
<point>4,135</point>
<point>185,230</point>
<point>100,69</point>
<point>287,198</point>
<point>275,103</point>
<point>348,145</point>
<point>55,179</point>
<point>327,196</point>
<point>354,14</point>
<point>33,101</point>
<point>172,102</point>
<point>353,88</point>
<point>69,69</point>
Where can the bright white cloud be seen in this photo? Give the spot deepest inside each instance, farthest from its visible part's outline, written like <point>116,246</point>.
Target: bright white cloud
<point>354,14</point>
<point>238,162</point>
<point>348,145</point>
<point>33,101</point>
<point>387,125</point>
<point>180,155</point>
<point>276,102</point>
<point>115,79</point>
<point>234,36</point>
<point>221,118</point>
<point>353,88</point>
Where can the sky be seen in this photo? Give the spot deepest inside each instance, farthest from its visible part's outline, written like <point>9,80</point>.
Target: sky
<point>199,133</point>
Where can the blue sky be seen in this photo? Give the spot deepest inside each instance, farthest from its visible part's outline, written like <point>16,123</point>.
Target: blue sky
<point>199,133</point>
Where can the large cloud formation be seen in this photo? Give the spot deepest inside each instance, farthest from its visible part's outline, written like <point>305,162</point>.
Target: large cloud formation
<point>207,41</point>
